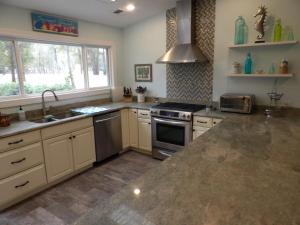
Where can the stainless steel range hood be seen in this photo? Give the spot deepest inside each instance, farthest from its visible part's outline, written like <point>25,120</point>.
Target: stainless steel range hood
<point>185,50</point>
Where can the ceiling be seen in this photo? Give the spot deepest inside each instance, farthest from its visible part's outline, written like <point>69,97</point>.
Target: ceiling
<point>98,11</point>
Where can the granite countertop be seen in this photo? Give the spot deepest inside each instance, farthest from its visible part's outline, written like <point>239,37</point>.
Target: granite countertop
<point>19,127</point>
<point>246,170</point>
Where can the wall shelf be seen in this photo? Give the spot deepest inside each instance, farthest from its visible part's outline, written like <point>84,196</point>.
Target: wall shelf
<point>262,75</point>
<point>266,44</point>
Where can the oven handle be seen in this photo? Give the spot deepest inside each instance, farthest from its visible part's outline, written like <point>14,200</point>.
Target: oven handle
<point>165,154</point>
<point>169,121</point>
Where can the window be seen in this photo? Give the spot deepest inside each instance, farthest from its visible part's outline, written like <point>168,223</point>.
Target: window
<point>9,83</point>
<point>60,67</point>
<point>49,66</point>
<point>97,67</point>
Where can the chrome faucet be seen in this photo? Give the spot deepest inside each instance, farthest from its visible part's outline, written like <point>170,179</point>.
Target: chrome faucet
<point>43,100</point>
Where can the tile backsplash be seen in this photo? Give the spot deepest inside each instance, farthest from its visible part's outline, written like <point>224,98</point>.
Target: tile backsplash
<point>193,81</point>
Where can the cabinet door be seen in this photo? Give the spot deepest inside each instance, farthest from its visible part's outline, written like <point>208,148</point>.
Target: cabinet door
<point>58,157</point>
<point>83,148</point>
<point>198,131</point>
<point>125,128</point>
<point>133,128</point>
<point>145,135</point>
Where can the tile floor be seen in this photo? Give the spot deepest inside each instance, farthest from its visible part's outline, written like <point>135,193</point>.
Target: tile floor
<point>66,202</point>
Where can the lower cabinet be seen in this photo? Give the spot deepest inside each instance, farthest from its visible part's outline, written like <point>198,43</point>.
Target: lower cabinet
<point>21,184</point>
<point>133,128</point>
<point>83,143</point>
<point>125,128</point>
<point>58,157</point>
<point>144,126</point>
<point>69,152</point>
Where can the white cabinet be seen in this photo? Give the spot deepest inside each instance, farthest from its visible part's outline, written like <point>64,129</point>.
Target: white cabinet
<point>21,159</point>
<point>125,128</point>
<point>198,131</point>
<point>69,152</point>
<point>83,144</point>
<point>133,128</point>
<point>145,134</point>
<point>21,184</point>
<point>203,124</point>
<point>58,157</point>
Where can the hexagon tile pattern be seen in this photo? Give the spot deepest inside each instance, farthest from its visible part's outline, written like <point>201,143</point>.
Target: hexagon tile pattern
<point>193,81</point>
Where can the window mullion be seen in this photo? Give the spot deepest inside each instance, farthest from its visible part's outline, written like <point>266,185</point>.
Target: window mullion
<point>85,68</point>
<point>20,68</point>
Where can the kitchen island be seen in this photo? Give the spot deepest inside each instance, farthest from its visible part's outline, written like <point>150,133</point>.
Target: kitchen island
<point>245,171</point>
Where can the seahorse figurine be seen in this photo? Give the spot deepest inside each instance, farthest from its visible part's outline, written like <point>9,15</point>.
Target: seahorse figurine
<point>260,23</point>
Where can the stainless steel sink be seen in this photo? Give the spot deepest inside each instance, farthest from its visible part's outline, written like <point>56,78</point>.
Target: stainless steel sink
<point>52,118</point>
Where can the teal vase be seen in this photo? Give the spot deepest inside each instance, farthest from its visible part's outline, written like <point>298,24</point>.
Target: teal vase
<point>248,64</point>
<point>240,31</point>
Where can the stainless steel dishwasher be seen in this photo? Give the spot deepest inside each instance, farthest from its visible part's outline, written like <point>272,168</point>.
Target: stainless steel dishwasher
<point>108,135</point>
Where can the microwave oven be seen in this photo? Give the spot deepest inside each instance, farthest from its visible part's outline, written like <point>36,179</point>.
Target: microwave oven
<point>238,103</point>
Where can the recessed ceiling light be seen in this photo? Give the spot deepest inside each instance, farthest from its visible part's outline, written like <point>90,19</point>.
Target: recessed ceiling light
<point>130,7</point>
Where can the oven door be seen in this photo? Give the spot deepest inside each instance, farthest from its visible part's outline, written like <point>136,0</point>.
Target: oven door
<point>169,134</point>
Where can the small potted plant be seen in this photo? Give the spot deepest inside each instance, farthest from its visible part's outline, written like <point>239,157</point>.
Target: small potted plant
<point>141,93</point>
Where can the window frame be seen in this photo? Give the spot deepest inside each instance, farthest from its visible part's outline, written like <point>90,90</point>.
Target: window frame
<point>26,99</point>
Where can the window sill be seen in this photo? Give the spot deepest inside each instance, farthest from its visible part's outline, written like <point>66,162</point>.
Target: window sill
<point>37,99</point>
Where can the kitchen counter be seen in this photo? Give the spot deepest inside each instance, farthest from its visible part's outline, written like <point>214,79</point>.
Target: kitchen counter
<point>18,127</point>
<point>246,170</point>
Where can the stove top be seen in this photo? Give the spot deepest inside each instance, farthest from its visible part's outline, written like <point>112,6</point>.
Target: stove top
<point>179,107</point>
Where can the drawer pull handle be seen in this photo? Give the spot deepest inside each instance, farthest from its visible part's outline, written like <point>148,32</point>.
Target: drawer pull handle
<point>19,161</point>
<point>144,114</point>
<point>16,142</point>
<point>201,121</point>
<point>22,185</point>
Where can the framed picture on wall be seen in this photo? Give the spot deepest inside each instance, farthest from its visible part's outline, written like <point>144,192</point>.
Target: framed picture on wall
<point>143,72</point>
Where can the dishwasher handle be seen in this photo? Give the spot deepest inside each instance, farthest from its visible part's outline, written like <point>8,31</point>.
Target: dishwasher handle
<point>104,120</point>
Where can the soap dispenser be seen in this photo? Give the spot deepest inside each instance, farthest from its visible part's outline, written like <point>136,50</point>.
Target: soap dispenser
<point>22,114</point>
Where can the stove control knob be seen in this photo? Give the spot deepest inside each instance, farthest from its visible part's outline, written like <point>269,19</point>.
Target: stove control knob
<point>183,116</point>
<point>188,116</point>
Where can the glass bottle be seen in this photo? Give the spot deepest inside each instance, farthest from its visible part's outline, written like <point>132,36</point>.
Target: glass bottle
<point>240,31</point>
<point>277,31</point>
<point>248,64</point>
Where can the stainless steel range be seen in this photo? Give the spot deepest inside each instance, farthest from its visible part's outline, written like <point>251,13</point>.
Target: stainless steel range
<point>172,125</point>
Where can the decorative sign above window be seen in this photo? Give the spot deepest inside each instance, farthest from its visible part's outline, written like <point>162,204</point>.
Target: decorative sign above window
<point>53,24</point>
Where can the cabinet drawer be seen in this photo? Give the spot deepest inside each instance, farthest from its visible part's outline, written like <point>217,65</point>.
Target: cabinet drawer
<point>203,121</point>
<point>66,128</point>
<point>20,140</point>
<point>145,114</point>
<point>21,184</point>
<point>18,160</point>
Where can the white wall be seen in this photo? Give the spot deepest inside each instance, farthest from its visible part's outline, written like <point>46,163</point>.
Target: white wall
<point>144,43</point>
<point>20,20</point>
<point>227,12</point>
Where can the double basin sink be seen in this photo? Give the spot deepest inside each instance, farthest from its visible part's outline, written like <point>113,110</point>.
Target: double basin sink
<point>54,118</point>
<point>72,113</point>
